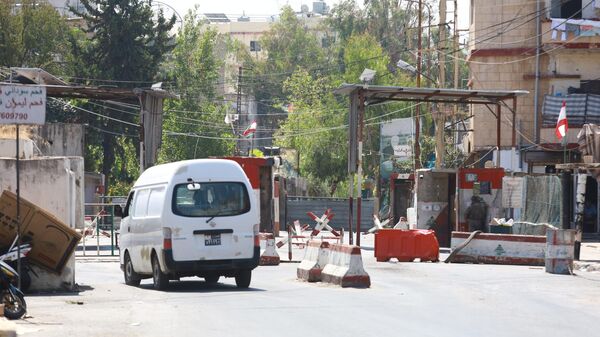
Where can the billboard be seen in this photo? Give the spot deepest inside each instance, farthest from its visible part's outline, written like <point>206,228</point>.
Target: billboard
<point>396,151</point>
<point>396,141</point>
<point>22,104</point>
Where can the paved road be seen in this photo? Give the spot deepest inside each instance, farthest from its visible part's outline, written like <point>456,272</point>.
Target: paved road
<point>407,299</point>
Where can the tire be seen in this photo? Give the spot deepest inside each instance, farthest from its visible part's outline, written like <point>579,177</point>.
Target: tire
<point>243,278</point>
<point>14,304</point>
<point>212,279</point>
<point>131,277</point>
<point>160,280</point>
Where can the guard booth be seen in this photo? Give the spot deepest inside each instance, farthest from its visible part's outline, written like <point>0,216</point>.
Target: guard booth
<point>260,174</point>
<point>484,182</point>
<point>435,195</point>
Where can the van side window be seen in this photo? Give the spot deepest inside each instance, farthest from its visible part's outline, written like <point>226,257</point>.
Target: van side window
<point>156,201</point>
<point>141,203</point>
<point>128,204</point>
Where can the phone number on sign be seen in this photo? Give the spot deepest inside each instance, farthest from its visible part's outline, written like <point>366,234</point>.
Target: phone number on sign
<point>13,115</point>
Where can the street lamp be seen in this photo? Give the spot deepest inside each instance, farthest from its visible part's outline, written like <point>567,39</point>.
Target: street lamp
<point>411,69</point>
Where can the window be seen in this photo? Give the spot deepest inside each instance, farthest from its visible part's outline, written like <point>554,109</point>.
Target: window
<point>254,46</point>
<point>567,9</point>
<point>211,199</point>
<point>140,206</point>
<point>128,204</point>
<point>156,201</point>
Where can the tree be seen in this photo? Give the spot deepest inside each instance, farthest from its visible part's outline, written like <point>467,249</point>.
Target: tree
<point>314,128</point>
<point>195,66</point>
<point>32,35</point>
<point>128,42</point>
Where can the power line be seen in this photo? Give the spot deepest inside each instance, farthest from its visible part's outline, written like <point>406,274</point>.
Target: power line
<point>93,113</point>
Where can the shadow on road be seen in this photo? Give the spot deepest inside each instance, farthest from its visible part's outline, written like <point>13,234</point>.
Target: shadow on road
<point>200,287</point>
<point>79,288</point>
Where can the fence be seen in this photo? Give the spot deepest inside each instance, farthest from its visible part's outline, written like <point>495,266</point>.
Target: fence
<point>297,207</point>
<point>101,224</point>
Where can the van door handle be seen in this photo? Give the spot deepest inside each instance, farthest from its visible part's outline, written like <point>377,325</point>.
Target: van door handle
<point>128,229</point>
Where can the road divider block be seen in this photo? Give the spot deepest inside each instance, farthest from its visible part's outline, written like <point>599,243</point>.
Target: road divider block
<point>345,268</point>
<point>316,256</point>
<point>500,249</point>
<point>269,256</point>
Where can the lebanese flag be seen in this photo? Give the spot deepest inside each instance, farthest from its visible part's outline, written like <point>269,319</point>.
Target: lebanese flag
<point>561,125</point>
<point>250,129</point>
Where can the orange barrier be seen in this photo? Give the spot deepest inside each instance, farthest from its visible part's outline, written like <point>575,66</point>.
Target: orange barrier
<point>406,245</point>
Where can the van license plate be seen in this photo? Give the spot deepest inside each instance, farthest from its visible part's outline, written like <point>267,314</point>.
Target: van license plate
<point>212,239</point>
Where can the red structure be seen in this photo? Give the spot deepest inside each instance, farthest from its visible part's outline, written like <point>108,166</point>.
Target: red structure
<point>406,245</point>
<point>260,174</point>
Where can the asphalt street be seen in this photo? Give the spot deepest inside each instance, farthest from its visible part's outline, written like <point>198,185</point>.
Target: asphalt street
<point>407,299</point>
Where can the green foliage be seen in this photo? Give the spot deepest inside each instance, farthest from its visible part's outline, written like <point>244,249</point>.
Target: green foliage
<point>194,66</point>
<point>127,43</point>
<point>32,34</point>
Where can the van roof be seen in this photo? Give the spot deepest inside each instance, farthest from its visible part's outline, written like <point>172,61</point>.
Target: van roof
<point>164,173</point>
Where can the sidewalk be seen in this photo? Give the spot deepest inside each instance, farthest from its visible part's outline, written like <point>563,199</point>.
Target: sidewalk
<point>589,257</point>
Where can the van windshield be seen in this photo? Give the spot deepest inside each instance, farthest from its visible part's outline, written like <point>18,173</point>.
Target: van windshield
<point>210,199</point>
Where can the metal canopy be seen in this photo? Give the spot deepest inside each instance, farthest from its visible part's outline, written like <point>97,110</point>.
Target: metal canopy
<point>378,94</point>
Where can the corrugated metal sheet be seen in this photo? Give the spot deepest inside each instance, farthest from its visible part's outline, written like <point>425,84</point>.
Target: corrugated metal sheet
<point>581,109</point>
<point>297,207</point>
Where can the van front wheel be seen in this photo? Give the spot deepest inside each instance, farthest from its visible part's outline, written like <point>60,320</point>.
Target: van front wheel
<point>242,279</point>
<point>160,281</point>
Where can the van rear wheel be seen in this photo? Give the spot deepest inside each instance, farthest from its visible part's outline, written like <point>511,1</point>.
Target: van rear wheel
<point>131,277</point>
<point>243,278</point>
<point>160,280</point>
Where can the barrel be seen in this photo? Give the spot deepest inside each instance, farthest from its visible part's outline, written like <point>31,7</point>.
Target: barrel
<point>560,245</point>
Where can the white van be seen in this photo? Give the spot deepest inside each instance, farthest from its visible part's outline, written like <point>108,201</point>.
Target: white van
<point>194,217</point>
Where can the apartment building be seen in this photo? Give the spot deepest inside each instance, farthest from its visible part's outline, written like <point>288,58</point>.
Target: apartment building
<point>507,46</point>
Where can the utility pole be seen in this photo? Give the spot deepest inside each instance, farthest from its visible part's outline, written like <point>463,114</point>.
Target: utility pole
<point>440,120</point>
<point>361,124</point>
<point>238,109</point>
<point>456,68</point>
<point>418,107</point>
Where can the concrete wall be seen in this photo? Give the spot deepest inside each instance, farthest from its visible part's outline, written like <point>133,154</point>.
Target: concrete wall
<point>56,185</point>
<point>486,13</point>
<point>54,139</point>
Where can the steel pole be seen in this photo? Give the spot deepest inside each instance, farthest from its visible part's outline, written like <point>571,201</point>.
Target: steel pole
<point>361,117</point>
<point>536,111</point>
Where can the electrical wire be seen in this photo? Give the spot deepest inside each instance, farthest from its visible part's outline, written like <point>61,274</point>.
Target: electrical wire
<point>93,113</point>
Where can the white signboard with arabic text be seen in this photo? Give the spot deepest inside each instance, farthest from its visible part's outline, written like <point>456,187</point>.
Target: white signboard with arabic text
<point>22,104</point>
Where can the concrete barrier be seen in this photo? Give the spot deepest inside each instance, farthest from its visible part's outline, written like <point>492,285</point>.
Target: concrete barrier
<point>316,255</point>
<point>560,250</point>
<point>501,249</point>
<point>345,268</point>
<point>269,256</point>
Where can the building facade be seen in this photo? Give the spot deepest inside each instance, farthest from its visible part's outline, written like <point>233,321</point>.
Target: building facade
<point>504,39</point>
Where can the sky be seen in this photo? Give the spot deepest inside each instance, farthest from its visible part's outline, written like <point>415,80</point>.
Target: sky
<point>266,8</point>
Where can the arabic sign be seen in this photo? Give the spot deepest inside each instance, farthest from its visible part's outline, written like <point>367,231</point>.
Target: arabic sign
<point>22,104</point>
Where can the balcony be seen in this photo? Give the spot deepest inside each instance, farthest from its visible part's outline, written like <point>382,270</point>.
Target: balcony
<point>573,33</point>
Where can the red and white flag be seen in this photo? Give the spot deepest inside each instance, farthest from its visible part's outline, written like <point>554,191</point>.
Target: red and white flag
<point>250,129</point>
<point>561,125</point>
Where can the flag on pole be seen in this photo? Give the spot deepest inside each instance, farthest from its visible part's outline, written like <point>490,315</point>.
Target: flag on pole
<point>250,129</point>
<point>561,125</point>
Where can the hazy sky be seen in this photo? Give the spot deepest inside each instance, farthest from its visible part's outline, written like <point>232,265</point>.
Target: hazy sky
<point>265,8</point>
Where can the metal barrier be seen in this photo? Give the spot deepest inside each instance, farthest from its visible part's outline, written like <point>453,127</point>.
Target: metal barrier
<point>100,220</point>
